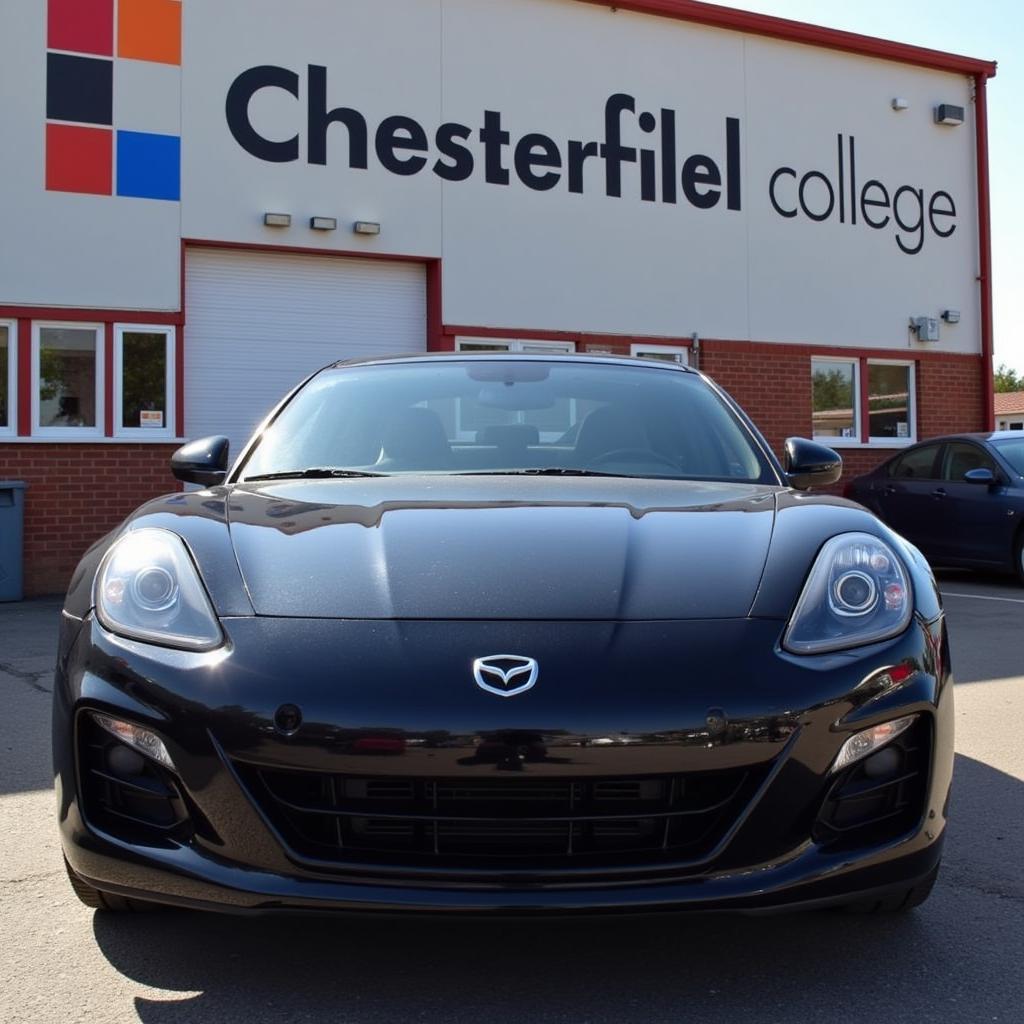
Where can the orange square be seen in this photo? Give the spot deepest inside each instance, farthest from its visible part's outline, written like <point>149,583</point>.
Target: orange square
<point>149,30</point>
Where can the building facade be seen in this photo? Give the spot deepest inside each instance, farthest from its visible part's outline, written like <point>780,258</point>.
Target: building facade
<point>204,202</point>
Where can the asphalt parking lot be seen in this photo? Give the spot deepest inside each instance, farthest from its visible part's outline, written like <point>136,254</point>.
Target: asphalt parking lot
<point>957,958</point>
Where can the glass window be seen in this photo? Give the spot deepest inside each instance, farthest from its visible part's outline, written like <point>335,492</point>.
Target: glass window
<point>642,421</point>
<point>144,381</point>
<point>890,401</point>
<point>8,384</point>
<point>834,398</point>
<point>1012,449</point>
<point>917,464</point>
<point>666,353</point>
<point>961,457</point>
<point>69,374</point>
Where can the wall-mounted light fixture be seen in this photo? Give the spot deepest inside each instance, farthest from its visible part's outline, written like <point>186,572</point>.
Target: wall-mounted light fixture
<point>951,316</point>
<point>947,113</point>
<point>323,223</point>
<point>366,227</point>
<point>899,103</point>
<point>277,220</point>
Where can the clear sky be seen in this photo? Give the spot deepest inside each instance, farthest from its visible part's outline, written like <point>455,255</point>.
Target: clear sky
<point>990,29</point>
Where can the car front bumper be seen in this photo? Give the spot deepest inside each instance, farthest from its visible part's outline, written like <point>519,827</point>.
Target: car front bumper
<point>397,701</point>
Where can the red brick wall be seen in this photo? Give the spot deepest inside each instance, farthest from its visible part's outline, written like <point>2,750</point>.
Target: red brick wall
<point>76,493</point>
<point>773,383</point>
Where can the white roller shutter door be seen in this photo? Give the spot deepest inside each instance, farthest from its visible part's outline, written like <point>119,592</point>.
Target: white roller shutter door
<point>258,323</point>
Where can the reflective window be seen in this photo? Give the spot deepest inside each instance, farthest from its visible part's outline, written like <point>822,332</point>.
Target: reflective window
<point>1012,449</point>
<point>144,379</point>
<point>890,401</point>
<point>68,360</point>
<point>834,398</point>
<point>961,457</point>
<point>917,464</point>
<point>527,416</point>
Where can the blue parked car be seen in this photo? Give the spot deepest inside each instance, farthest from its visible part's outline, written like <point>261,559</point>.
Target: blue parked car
<point>960,499</point>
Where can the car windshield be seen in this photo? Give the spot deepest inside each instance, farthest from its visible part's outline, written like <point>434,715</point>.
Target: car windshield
<point>504,416</point>
<point>1012,449</point>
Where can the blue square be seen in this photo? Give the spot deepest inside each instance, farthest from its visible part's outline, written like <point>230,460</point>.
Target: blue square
<point>149,166</point>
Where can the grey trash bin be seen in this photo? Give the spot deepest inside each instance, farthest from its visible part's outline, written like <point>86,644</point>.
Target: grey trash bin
<point>12,513</point>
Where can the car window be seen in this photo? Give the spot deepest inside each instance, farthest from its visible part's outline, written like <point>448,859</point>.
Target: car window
<point>1012,449</point>
<point>494,416</point>
<point>917,464</point>
<point>961,456</point>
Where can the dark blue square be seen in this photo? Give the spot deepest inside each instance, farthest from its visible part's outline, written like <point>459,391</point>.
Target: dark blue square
<point>79,89</point>
<point>148,166</point>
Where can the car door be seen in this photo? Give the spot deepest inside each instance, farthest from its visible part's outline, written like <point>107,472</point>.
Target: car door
<point>977,520</point>
<point>904,497</point>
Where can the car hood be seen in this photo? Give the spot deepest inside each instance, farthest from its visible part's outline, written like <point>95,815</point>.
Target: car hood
<point>501,547</point>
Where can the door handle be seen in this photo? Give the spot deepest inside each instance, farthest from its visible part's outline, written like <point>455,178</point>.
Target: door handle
<point>939,492</point>
<point>890,489</point>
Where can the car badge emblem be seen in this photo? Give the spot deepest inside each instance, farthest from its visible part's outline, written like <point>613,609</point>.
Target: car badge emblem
<point>505,674</point>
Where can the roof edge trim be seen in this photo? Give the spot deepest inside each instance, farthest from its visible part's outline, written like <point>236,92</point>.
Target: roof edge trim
<point>716,16</point>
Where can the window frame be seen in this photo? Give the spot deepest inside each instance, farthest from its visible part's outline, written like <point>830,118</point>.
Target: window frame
<point>70,433</point>
<point>466,343</point>
<point>892,442</point>
<point>170,334</point>
<point>862,410</point>
<point>858,427</point>
<point>638,350</point>
<point>11,428</point>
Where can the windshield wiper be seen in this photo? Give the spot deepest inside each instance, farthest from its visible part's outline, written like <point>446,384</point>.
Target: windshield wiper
<point>545,471</point>
<point>316,473</point>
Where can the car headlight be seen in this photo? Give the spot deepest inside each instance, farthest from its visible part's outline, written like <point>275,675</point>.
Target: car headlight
<point>149,589</point>
<point>857,593</point>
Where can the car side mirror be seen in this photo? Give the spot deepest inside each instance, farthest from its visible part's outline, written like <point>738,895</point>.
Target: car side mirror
<point>202,462</point>
<point>981,476</point>
<point>809,464</point>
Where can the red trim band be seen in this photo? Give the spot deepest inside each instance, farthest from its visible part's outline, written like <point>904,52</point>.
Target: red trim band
<point>984,249</point>
<point>802,32</point>
<point>106,316</point>
<point>306,250</point>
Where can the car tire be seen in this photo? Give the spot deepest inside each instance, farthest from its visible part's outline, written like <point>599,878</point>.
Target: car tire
<point>896,903</point>
<point>97,900</point>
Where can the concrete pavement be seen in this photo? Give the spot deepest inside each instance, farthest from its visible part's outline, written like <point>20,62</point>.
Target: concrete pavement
<point>957,958</point>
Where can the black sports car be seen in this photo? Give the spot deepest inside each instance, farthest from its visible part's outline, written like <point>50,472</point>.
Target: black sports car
<point>960,499</point>
<point>503,633</point>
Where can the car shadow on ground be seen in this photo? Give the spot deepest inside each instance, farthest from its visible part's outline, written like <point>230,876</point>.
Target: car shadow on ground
<point>958,955</point>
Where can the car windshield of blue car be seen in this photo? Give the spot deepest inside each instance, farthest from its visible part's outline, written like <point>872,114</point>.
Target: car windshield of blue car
<point>1012,449</point>
<point>501,416</point>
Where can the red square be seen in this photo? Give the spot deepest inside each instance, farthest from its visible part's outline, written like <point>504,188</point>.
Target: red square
<point>81,26</point>
<point>79,159</point>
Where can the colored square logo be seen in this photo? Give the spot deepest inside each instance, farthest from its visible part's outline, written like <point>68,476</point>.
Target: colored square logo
<point>148,166</point>
<point>149,30</point>
<point>79,89</point>
<point>82,26</point>
<point>79,159</point>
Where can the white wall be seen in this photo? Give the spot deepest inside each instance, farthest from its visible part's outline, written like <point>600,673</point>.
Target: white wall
<point>515,257</point>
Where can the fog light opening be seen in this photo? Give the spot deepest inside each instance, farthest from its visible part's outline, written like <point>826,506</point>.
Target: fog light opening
<point>142,740</point>
<point>125,762</point>
<point>866,742</point>
<point>885,764</point>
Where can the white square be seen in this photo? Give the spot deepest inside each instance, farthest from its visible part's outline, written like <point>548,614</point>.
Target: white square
<point>147,97</point>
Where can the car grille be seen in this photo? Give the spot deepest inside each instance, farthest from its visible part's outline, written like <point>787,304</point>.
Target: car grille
<point>863,808</point>
<point>518,823</point>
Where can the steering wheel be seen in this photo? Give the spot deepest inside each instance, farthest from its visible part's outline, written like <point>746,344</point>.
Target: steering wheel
<point>633,455</point>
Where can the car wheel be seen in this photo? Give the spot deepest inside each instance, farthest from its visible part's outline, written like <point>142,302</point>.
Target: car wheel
<point>97,900</point>
<point>898,902</point>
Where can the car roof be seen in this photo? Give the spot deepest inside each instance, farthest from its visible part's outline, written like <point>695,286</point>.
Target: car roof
<point>532,357</point>
<point>978,435</point>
